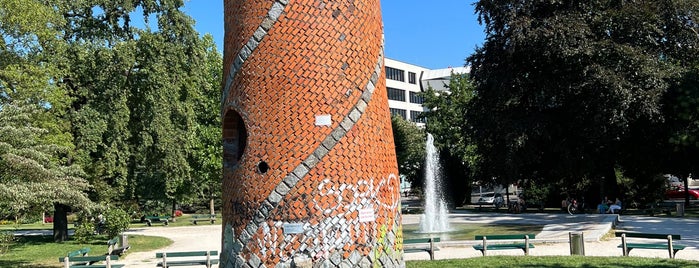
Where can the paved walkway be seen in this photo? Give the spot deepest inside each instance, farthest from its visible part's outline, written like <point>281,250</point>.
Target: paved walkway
<point>188,238</point>
<point>553,240</point>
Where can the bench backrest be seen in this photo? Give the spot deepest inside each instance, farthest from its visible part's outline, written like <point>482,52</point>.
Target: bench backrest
<point>113,241</point>
<point>420,240</point>
<point>79,252</point>
<point>187,254</point>
<point>505,237</point>
<point>90,258</point>
<point>157,217</point>
<point>646,235</point>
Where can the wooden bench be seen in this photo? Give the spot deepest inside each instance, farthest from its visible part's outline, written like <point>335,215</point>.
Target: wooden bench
<point>666,207</point>
<point>89,261</point>
<point>485,246</point>
<point>196,218</point>
<point>428,248</point>
<point>112,248</point>
<point>185,258</point>
<point>627,247</point>
<point>150,219</point>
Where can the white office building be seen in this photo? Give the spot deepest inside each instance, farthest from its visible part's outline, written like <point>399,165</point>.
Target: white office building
<point>404,81</point>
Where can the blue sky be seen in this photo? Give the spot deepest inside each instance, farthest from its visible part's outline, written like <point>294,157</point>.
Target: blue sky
<point>433,34</point>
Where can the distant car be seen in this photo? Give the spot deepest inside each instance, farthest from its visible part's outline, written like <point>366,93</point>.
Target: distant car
<point>679,194</point>
<point>494,199</point>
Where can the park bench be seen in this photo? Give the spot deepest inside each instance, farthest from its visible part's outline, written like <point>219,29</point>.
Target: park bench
<point>90,261</point>
<point>669,246</point>
<point>196,218</point>
<point>112,248</point>
<point>427,245</point>
<point>150,219</point>
<point>666,207</point>
<point>187,258</point>
<point>79,252</point>
<point>484,247</point>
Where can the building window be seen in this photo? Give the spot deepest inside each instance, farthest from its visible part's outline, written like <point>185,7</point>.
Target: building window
<point>395,94</point>
<point>395,74</point>
<point>416,97</point>
<point>411,78</point>
<point>415,117</point>
<point>399,112</point>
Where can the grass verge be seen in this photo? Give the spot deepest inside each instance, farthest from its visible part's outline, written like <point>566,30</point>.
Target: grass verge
<point>553,261</point>
<point>42,252</point>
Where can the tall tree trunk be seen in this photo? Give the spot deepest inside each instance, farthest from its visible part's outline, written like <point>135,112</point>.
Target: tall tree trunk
<point>174,208</point>
<point>607,186</point>
<point>60,222</point>
<point>211,205</point>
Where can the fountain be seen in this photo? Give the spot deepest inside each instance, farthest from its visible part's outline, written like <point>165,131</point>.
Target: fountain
<point>435,219</point>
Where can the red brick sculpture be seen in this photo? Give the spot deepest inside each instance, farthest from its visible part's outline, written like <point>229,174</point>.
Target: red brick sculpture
<point>310,173</point>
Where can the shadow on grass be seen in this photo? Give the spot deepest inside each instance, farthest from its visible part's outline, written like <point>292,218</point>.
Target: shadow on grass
<point>15,263</point>
<point>47,239</point>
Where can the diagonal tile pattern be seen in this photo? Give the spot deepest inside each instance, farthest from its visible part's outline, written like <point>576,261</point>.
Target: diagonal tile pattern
<point>310,171</point>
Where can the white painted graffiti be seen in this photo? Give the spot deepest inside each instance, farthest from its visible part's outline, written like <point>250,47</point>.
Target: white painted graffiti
<point>333,232</point>
<point>363,193</point>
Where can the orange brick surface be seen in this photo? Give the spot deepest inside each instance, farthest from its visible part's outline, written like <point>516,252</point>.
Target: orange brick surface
<point>295,189</point>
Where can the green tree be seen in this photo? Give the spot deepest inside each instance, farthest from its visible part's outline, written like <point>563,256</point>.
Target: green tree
<point>562,84</point>
<point>31,55</point>
<point>410,149</point>
<point>451,129</point>
<point>206,156</point>
<point>34,176</point>
<point>122,99</point>
<point>134,94</point>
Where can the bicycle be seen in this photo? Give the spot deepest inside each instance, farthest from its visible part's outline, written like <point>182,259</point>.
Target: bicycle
<point>576,208</point>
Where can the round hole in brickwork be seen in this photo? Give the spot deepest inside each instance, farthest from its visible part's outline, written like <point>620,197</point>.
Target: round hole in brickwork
<point>262,167</point>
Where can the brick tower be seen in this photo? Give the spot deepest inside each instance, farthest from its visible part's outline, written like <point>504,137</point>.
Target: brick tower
<point>310,173</point>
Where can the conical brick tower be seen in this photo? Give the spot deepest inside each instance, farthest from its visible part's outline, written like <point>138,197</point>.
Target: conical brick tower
<point>310,174</point>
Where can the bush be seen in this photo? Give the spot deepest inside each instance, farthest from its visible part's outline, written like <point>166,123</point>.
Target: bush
<point>178,213</point>
<point>84,232</point>
<point>72,218</point>
<point>116,221</point>
<point>7,238</point>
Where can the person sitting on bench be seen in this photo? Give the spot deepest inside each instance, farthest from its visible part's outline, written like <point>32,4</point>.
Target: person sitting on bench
<point>615,208</point>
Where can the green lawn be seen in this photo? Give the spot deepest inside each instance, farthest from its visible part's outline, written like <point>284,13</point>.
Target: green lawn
<point>183,220</point>
<point>553,261</point>
<point>467,231</point>
<point>42,252</point>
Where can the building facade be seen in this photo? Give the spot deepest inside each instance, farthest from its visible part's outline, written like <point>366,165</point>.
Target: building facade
<point>405,81</point>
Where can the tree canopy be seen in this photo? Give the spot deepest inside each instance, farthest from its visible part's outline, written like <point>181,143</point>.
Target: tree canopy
<point>452,131</point>
<point>568,89</point>
<point>34,175</point>
<point>128,91</point>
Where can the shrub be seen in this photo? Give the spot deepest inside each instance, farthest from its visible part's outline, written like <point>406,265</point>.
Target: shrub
<point>116,221</point>
<point>178,213</point>
<point>72,218</point>
<point>7,238</point>
<point>84,232</point>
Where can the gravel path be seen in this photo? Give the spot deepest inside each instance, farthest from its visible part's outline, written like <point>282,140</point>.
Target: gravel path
<point>553,240</point>
<point>189,238</point>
